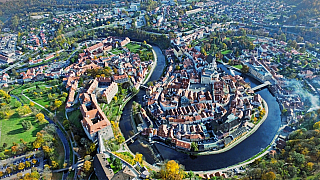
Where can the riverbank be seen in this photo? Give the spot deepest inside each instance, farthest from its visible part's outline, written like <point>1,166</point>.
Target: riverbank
<point>242,138</point>
<point>245,150</point>
<point>154,64</point>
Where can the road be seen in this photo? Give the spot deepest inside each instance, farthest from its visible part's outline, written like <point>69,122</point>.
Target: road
<point>26,170</point>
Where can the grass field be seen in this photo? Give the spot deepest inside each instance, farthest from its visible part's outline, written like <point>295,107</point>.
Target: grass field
<point>117,51</point>
<point>238,66</point>
<point>12,130</point>
<point>133,47</point>
<point>43,99</point>
<point>75,118</point>
<point>226,52</point>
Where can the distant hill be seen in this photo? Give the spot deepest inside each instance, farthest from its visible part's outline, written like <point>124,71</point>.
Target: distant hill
<point>9,7</point>
<point>303,4</point>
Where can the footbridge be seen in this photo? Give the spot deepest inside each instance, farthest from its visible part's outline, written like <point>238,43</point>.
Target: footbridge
<point>265,84</point>
<point>132,137</point>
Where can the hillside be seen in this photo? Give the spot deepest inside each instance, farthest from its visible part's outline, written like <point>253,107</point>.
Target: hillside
<point>9,7</point>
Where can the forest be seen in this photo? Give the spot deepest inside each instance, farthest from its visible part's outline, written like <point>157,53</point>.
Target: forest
<point>25,6</point>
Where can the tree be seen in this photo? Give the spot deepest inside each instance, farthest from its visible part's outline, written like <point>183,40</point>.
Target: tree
<point>21,166</point>
<point>316,125</point>
<point>224,46</point>
<point>171,171</point>
<point>87,166</point>
<point>194,146</point>
<point>268,176</point>
<point>64,94</point>
<point>35,175</point>
<point>117,163</point>
<point>203,51</point>
<point>26,124</point>
<point>138,158</point>
<point>54,164</point>
<point>17,104</point>
<point>310,166</point>
<point>15,21</point>
<point>28,164</point>
<point>46,149</point>
<point>190,174</point>
<point>245,69</point>
<point>40,117</point>
<point>9,170</point>
<point>57,103</point>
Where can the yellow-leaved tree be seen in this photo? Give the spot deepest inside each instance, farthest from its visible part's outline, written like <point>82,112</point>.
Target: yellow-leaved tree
<point>172,171</point>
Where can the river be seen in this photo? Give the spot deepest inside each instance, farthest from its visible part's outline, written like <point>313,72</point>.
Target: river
<point>243,151</point>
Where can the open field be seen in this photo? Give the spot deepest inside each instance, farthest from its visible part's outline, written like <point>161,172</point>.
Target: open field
<point>12,130</point>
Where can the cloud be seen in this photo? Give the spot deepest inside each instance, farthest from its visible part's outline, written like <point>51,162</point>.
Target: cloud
<point>304,94</point>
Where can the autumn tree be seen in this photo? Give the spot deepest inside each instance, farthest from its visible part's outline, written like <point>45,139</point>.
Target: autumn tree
<point>21,166</point>
<point>138,158</point>
<point>54,164</point>
<point>268,176</point>
<point>172,171</point>
<point>28,164</point>
<point>35,175</point>
<point>87,166</point>
<point>40,117</point>
<point>57,103</point>
<point>245,69</point>
<point>9,170</point>
<point>316,125</point>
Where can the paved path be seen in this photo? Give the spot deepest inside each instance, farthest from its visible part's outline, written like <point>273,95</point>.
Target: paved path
<point>247,162</point>
<point>19,158</point>
<point>60,134</point>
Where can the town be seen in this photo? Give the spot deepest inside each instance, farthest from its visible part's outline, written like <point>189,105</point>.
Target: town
<point>128,90</point>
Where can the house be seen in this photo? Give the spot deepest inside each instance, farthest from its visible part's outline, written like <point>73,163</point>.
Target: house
<point>144,173</point>
<point>94,120</point>
<point>182,145</point>
<point>257,100</point>
<point>124,174</point>
<point>125,42</point>
<point>102,168</point>
<point>121,78</point>
<point>110,92</point>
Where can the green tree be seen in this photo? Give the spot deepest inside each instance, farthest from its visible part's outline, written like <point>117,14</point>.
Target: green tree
<point>117,163</point>
<point>15,21</point>
<point>35,175</point>
<point>245,69</point>
<point>26,124</point>
<point>17,104</point>
<point>194,146</point>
